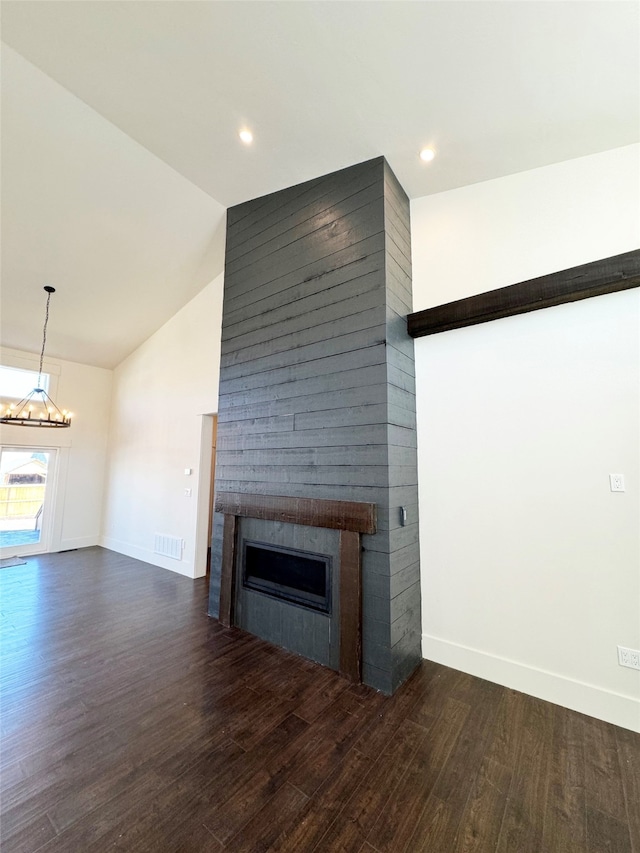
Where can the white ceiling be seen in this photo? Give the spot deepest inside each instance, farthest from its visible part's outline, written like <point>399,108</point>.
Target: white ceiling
<point>120,122</point>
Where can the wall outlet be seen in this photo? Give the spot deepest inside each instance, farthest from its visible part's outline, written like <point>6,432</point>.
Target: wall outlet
<point>629,657</point>
<point>616,481</point>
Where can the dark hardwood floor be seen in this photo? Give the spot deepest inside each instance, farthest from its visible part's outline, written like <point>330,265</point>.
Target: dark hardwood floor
<point>133,722</point>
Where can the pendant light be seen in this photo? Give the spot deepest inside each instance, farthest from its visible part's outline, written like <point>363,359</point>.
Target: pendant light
<point>37,409</point>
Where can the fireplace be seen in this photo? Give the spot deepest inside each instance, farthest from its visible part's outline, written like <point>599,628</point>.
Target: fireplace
<point>291,573</point>
<point>317,403</point>
<point>288,574</point>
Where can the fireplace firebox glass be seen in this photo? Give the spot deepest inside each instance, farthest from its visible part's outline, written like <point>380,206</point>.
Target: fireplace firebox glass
<point>288,574</point>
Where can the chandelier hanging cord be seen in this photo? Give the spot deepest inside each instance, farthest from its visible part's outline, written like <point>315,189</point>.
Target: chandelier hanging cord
<point>49,290</point>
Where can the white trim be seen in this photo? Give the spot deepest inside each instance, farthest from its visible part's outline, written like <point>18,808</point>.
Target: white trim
<point>46,437</point>
<point>27,361</point>
<point>204,493</point>
<point>81,542</point>
<point>181,567</point>
<point>616,708</point>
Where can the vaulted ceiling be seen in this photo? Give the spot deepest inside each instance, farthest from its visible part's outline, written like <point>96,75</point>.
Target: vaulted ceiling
<point>120,149</point>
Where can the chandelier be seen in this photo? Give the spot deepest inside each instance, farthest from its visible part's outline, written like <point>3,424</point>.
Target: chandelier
<point>37,409</point>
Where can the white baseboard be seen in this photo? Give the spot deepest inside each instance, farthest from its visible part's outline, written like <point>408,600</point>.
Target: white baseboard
<point>181,567</point>
<point>616,708</point>
<point>81,542</point>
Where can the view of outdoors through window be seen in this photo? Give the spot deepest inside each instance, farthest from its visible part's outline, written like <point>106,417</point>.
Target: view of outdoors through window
<point>23,476</point>
<point>16,383</point>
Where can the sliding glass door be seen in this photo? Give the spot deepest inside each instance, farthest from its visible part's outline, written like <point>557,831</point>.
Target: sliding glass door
<point>26,492</point>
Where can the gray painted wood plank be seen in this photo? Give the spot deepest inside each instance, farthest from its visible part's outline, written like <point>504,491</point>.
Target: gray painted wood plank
<point>365,385</point>
<point>397,229</point>
<point>397,335</point>
<point>350,360</point>
<point>394,185</point>
<point>401,398</point>
<point>402,455</point>
<point>399,280</point>
<point>271,278</point>
<point>407,577</point>
<point>249,214</point>
<point>404,609</point>
<point>265,425</point>
<point>398,235</point>
<point>398,219</point>
<point>364,329</point>
<point>342,344</point>
<point>305,206</point>
<point>406,657</point>
<point>246,217</point>
<point>329,320</point>
<point>332,491</point>
<point>402,475</point>
<point>401,361</point>
<point>285,233</point>
<point>399,495</point>
<point>373,454</point>
<point>367,283</point>
<point>377,678</point>
<point>391,542</point>
<point>398,274</point>
<point>401,417</point>
<point>398,301</point>
<point>378,608</point>
<point>341,437</point>
<point>401,558</point>
<point>394,193</point>
<point>388,517</point>
<point>395,197</point>
<point>274,295</point>
<point>400,379</point>
<point>325,475</point>
<point>320,244</point>
<point>357,414</point>
<point>402,437</point>
<point>243,294</point>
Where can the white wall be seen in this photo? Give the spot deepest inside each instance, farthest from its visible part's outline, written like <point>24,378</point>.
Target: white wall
<point>530,565</point>
<point>82,449</point>
<point>160,393</point>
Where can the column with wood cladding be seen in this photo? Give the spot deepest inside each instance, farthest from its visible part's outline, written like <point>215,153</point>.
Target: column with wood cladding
<point>317,383</point>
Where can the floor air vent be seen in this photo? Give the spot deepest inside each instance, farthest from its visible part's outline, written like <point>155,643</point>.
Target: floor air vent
<point>168,546</point>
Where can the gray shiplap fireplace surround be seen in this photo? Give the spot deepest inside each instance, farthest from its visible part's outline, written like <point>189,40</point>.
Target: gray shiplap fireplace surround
<point>317,409</point>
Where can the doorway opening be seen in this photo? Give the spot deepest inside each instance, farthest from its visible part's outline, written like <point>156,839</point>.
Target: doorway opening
<point>212,480</point>
<point>26,491</point>
<point>206,471</point>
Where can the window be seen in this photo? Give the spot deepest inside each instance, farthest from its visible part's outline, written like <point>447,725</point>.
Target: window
<point>16,383</point>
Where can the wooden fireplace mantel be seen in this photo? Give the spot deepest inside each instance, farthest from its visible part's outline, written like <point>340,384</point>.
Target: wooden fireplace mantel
<point>351,518</point>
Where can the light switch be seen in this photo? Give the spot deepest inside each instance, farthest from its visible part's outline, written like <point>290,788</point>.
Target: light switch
<point>187,493</point>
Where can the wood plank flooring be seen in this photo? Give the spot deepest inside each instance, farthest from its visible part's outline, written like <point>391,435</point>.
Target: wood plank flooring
<point>131,721</point>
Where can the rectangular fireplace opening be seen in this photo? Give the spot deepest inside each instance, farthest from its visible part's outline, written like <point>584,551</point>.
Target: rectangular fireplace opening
<point>288,574</point>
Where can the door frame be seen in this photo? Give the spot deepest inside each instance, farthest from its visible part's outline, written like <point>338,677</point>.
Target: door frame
<point>205,494</point>
<point>50,494</point>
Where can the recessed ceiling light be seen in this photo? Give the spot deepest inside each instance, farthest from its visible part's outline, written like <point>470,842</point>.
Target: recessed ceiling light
<point>246,136</point>
<point>427,154</point>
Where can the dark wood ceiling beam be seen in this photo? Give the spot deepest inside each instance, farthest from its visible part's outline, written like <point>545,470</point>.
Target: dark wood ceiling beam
<point>620,272</point>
